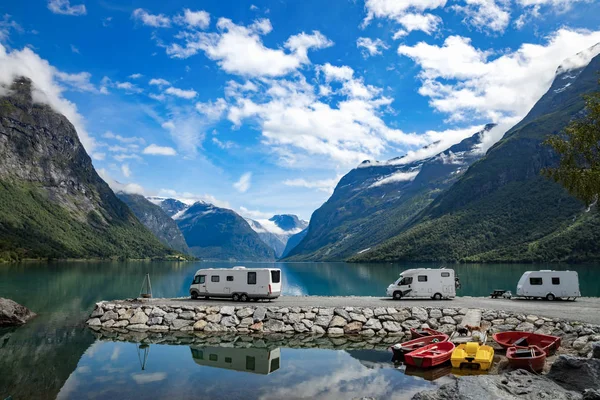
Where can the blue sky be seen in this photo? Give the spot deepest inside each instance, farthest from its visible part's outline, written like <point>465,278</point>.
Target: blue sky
<point>261,106</point>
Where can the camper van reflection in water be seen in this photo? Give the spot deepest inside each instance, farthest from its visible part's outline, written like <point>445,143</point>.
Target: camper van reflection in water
<point>255,360</point>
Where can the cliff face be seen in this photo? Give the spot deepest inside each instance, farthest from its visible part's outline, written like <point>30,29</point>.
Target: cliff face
<point>52,201</point>
<point>158,221</point>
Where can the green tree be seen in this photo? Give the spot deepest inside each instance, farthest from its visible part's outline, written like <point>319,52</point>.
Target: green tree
<point>579,150</point>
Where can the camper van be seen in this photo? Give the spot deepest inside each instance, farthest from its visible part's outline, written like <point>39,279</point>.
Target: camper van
<point>237,283</point>
<point>436,284</point>
<point>549,285</point>
<point>255,360</point>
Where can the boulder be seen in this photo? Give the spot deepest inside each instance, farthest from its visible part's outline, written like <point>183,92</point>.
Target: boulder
<point>139,317</point>
<point>335,331</point>
<point>515,385</point>
<point>419,313</point>
<point>353,327</point>
<point>343,313</point>
<point>358,317</point>
<point>214,318</point>
<point>177,324</point>
<point>245,312</point>
<point>374,324</point>
<point>94,322</point>
<point>578,344</point>
<point>392,326</point>
<point>227,310</point>
<point>525,327</point>
<point>337,322</point>
<point>257,326</point>
<point>435,313</point>
<point>447,320</point>
<point>187,315</point>
<point>574,373</point>
<point>121,323</point>
<point>273,325</point>
<point>450,312</point>
<point>259,314</point>
<point>323,320</point>
<point>109,315</point>
<point>317,330</point>
<point>98,311</point>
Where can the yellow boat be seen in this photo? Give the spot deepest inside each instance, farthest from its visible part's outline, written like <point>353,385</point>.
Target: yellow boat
<point>472,354</point>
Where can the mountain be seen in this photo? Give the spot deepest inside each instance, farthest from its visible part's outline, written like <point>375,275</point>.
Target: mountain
<point>53,204</point>
<point>293,241</point>
<point>502,209</point>
<point>374,201</point>
<point>220,234</point>
<point>170,206</point>
<point>276,231</point>
<point>158,221</point>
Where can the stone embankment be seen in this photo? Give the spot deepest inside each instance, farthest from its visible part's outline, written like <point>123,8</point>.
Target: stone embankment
<point>366,322</point>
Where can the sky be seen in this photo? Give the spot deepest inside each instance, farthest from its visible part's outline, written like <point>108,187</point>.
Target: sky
<point>261,106</point>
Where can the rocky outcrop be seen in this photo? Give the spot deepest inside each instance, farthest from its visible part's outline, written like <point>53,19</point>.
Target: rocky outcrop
<point>12,313</point>
<point>576,373</point>
<point>514,385</point>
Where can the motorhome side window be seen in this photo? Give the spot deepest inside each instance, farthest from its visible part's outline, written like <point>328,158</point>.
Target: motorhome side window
<point>275,276</point>
<point>214,278</point>
<point>406,281</point>
<point>251,278</point>
<point>535,281</point>
<point>445,274</point>
<point>229,278</point>
<point>422,278</point>
<point>198,279</point>
<point>556,281</point>
<point>250,363</point>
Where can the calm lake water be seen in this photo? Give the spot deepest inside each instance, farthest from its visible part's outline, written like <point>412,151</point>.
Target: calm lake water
<point>56,356</point>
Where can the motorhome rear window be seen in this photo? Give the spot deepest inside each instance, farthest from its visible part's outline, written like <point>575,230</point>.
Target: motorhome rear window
<point>229,278</point>
<point>445,274</point>
<point>422,278</point>
<point>536,281</point>
<point>251,278</point>
<point>214,278</point>
<point>556,281</point>
<point>198,279</point>
<point>275,276</point>
<point>251,361</point>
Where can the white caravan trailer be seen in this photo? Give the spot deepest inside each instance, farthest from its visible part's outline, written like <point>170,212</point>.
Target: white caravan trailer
<point>424,282</point>
<point>255,360</point>
<point>238,283</point>
<point>549,284</point>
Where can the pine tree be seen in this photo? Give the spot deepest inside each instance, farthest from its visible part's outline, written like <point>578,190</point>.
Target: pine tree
<point>579,150</point>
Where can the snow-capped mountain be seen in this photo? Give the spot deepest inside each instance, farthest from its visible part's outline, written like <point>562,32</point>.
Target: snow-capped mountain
<point>277,230</point>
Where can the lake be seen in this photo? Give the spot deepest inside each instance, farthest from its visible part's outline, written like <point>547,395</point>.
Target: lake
<point>56,356</point>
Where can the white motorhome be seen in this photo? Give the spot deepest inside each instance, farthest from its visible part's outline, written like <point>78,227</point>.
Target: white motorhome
<point>549,285</point>
<point>238,283</point>
<point>255,360</point>
<point>424,282</point>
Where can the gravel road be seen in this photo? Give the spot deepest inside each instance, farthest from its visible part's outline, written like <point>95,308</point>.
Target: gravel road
<point>584,309</point>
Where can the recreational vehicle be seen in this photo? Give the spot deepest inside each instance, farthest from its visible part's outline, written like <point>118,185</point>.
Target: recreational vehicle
<point>424,282</point>
<point>237,283</point>
<point>549,285</point>
<point>255,360</point>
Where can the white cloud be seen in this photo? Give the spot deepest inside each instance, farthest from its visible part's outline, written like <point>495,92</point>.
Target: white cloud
<point>408,13</point>
<point>469,83</point>
<point>396,177</point>
<point>135,76</point>
<point>159,82</point>
<point>46,87</point>
<point>239,49</point>
<point>64,7</point>
<point>371,47</point>
<point>334,73</point>
<point>323,185</point>
<point>156,150</point>
<point>194,19</point>
<point>74,49</point>
<point>125,170</point>
<point>243,184</point>
<point>117,186</point>
<point>184,94</point>
<point>156,21</point>
<point>123,139</point>
<point>486,15</point>
<point>186,129</point>
<point>80,81</point>
<point>7,24</point>
<point>123,157</point>
<point>191,198</point>
<point>106,21</point>
<point>141,379</point>
<point>98,156</point>
<point>128,87</point>
<point>224,145</point>
<point>212,110</point>
<point>562,5</point>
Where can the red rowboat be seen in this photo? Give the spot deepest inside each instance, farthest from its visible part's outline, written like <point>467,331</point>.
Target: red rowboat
<point>532,358</point>
<point>430,355</point>
<point>406,347</point>
<point>424,332</point>
<point>525,339</point>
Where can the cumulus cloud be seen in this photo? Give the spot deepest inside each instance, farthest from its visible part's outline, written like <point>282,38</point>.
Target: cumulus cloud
<point>194,19</point>
<point>212,110</point>
<point>243,184</point>
<point>64,7</point>
<point>184,94</point>
<point>485,15</point>
<point>46,85</point>
<point>117,186</point>
<point>239,49</point>
<point>135,76</point>
<point>128,87</point>
<point>156,150</point>
<point>467,83</point>
<point>153,20</point>
<point>371,47</point>
<point>407,13</point>
<point>159,82</point>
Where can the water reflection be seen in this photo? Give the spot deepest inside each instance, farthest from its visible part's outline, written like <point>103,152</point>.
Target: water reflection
<point>254,360</point>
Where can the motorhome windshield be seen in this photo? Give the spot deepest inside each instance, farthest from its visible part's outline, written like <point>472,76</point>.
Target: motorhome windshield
<point>406,281</point>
